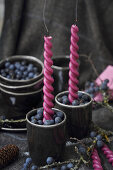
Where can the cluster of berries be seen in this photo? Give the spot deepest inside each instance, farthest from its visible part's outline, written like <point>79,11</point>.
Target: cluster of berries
<point>50,160</point>
<point>38,118</point>
<point>98,139</point>
<point>82,99</point>
<point>19,70</point>
<point>92,88</point>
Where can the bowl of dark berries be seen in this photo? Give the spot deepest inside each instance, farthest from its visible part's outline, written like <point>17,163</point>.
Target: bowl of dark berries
<point>79,113</point>
<point>45,137</point>
<point>20,70</point>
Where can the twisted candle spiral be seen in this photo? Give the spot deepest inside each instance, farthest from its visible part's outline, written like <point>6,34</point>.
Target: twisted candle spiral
<point>108,153</point>
<point>73,65</point>
<point>96,160</point>
<point>48,80</point>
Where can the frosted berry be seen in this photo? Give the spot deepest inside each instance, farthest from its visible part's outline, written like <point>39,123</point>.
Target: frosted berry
<point>50,160</point>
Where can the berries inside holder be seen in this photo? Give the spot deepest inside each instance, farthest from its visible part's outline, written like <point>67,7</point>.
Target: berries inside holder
<point>38,118</point>
<point>19,70</point>
<point>82,99</point>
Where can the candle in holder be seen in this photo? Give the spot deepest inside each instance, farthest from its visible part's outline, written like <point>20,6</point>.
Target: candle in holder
<point>48,80</point>
<point>73,65</point>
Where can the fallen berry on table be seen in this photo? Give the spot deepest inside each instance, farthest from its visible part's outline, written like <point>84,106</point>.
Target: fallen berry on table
<point>64,167</point>
<point>100,143</point>
<point>70,165</point>
<point>34,167</point>
<point>28,161</point>
<point>50,160</point>
<point>99,137</point>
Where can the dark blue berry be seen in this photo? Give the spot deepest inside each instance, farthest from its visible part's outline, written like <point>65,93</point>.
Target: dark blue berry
<point>25,73</point>
<point>93,134</point>
<point>40,122</point>
<point>4,74</point>
<point>25,166</point>
<point>35,69</point>
<point>22,68</point>
<point>34,167</point>
<point>7,64</point>
<point>87,91</point>
<point>30,68</point>
<point>99,137</point>
<point>106,81</point>
<point>64,167</point>
<point>92,84</point>
<point>80,95</point>
<point>54,116</point>
<point>104,86</point>
<point>58,120</point>
<point>39,111</point>
<point>17,65</point>
<point>60,99</point>
<point>100,143</point>
<point>91,90</point>
<point>11,67</point>
<point>85,97</point>
<point>2,71</point>
<point>65,101</point>
<point>34,121</point>
<point>23,63</point>
<point>63,97</point>
<point>28,161</point>
<point>49,122</point>
<point>32,118</point>
<point>70,165</point>
<point>96,89</point>
<point>39,116</point>
<point>50,160</point>
<point>60,114</point>
<point>31,75</point>
<point>75,103</point>
<point>82,150</point>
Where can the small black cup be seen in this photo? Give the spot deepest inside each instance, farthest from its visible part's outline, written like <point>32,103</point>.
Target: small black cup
<point>45,141</point>
<point>78,117</point>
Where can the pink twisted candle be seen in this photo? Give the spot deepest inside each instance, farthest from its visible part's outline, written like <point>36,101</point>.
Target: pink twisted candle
<point>96,160</point>
<point>48,80</point>
<point>73,65</point>
<point>108,153</point>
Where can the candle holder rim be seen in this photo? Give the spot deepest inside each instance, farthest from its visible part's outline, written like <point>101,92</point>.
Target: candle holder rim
<point>71,106</point>
<point>23,86</point>
<point>45,126</point>
<point>20,94</point>
<point>18,56</point>
<point>58,67</point>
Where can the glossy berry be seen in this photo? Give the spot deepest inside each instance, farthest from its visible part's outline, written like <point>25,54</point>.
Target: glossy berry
<point>40,122</point>
<point>60,114</point>
<point>64,167</point>
<point>82,150</point>
<point>75,103</point>
<point>34,167</point>
<point>91,90</point>
<point>31,75</point>
<point>39,116</point>
<point>49,122</point>
<point>58,120</point>
<point>32,117</point>
<point>60,99</point>
<point>85,97</point>
<point>65,101</point>
<point>104,86</point>
<point>34,121</point>
<point>100,143</point>
<point>93,134</point>
<point>80,95</point>
<point>7,64</point>
<point>70,165</point>
<point>63,97</point>
<point>28,161</point>
<point>11,67</point>
<point>39,111</point>
<point>50,160</point>
<point>25,166</point>
<point>99,137</point>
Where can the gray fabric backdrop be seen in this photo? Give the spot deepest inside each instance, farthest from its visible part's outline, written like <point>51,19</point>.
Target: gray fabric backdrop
<point>23,30</point>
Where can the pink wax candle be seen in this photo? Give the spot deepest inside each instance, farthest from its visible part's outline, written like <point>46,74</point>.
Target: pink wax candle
<point>108,153</point>
<point>48,80</point>
<point>73,65</point>
<point>96,160</point>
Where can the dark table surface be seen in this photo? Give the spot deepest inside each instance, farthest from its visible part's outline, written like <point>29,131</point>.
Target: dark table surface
<point>102,117</point>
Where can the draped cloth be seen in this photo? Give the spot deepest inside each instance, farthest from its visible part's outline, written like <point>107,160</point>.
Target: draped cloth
<point>23,30</point>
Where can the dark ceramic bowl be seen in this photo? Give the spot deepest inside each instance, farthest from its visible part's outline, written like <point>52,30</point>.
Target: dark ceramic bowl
<point>78,117</point>
<point>24,88</point>
<point>19,104</point>
<point>45,141</point>
<point>30,59</point>
<point>60,73</point>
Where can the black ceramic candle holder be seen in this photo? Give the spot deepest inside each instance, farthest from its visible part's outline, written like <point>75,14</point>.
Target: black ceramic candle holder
<point>45,141</point>
<point>78,117</point>
<point>60,73</point>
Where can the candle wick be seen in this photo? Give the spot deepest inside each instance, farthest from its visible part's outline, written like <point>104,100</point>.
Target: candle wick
<point>76,17</point>
<point>44,17</point>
